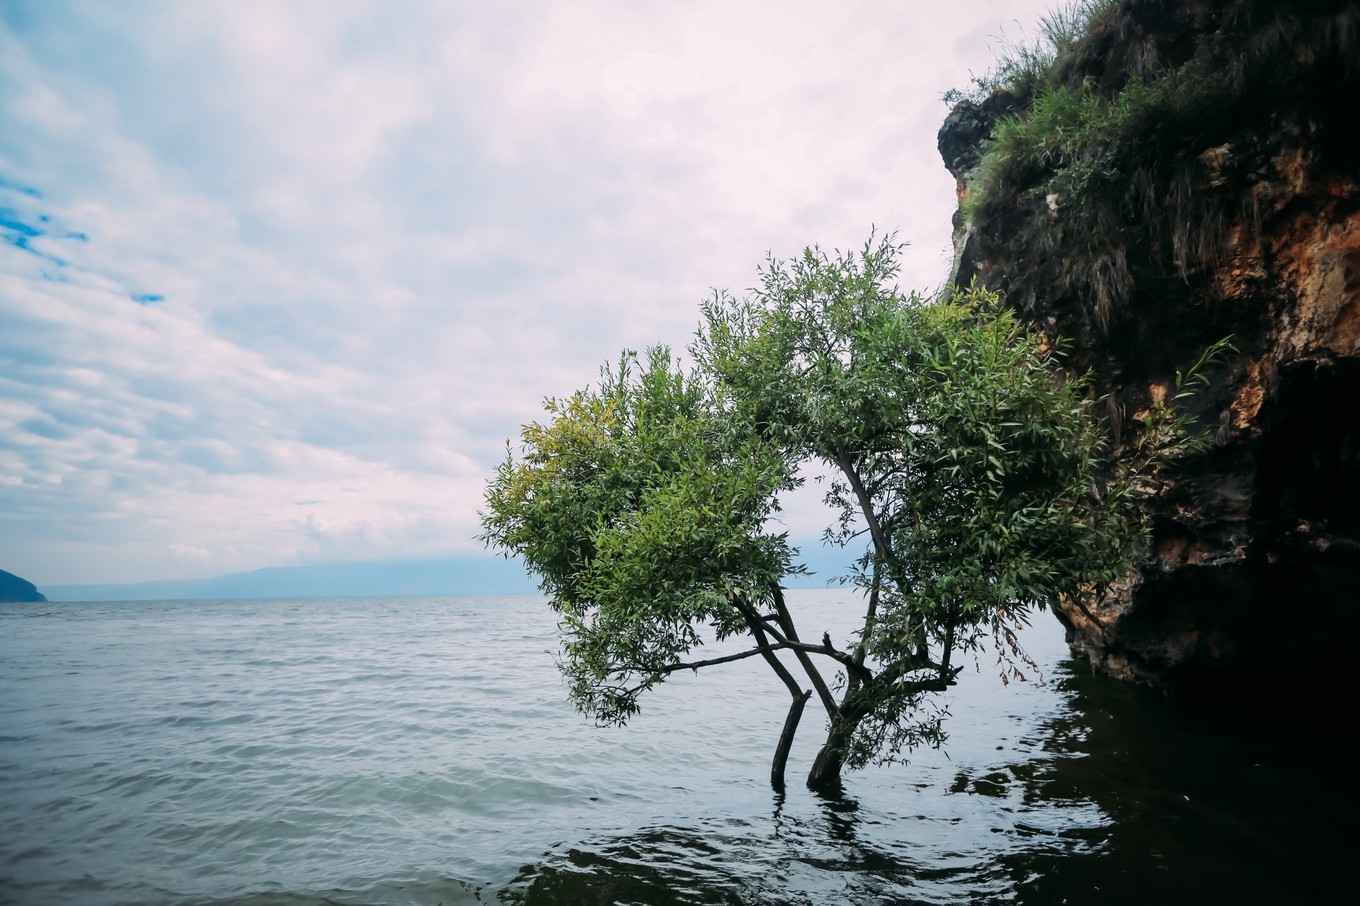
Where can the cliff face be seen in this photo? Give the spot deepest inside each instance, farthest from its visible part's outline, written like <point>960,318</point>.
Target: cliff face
<point>1191,172</point>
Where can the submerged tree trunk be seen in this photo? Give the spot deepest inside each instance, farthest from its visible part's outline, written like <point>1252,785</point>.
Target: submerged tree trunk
<point>781,751</point>
<point>800,696</point>
<point>859,702</point>
<point>826,767</point>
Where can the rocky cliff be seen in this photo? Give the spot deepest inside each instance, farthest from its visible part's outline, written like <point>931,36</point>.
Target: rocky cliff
<point>1170,174</point>
<point>12,588</point>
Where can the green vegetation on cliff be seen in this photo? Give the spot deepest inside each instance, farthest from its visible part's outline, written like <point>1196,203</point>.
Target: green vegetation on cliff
<point>1085,162</point>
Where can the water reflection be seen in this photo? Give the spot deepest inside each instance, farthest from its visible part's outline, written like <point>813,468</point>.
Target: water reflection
<point>830,853</point>
<point>671,866</point>
<point>1203,804</point>
<point>841,812</point>
<point>661,866</point>
<point>1120,796</point>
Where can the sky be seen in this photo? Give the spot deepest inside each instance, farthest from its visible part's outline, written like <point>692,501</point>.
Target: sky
<point>279,279</point>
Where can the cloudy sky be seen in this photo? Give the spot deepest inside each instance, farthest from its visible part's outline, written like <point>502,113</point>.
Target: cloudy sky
<point>280,278</point>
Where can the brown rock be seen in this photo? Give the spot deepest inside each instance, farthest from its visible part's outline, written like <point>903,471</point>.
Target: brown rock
<point>1246,223</point>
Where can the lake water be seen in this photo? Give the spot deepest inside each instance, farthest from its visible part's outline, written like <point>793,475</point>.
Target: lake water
<point>422,751</point>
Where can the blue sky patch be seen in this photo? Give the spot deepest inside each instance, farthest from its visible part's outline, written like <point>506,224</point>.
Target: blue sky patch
<point>20,241</point>
<point>147,298</point>
<point>19,187</point>
<point>9,220</point>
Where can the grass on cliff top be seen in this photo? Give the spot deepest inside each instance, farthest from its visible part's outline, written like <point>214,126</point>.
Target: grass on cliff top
<point>1093,162</point>
<point>1024,68</point>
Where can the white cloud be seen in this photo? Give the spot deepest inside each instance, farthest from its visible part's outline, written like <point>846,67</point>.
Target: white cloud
<point>370,239</point>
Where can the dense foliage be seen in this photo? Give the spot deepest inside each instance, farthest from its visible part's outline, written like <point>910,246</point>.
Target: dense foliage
<point>643,513</point>
<point>966,463</point>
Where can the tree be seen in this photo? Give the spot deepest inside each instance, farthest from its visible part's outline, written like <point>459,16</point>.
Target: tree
<point>966,462</point>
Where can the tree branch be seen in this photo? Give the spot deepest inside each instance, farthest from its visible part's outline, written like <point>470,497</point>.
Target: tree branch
<point>881,542</point>
<point>710,662</point>
<point>826,648</point>
<point>767,651</point>
<point>870,612</point>
<point>943,679</point>
<point>856,669</point>
<point>818,683</point>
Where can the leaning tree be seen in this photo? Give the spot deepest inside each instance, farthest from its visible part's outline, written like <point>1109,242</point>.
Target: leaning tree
<point>966,463</point>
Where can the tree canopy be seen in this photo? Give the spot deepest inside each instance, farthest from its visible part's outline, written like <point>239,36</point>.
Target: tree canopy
<point>967,465</point>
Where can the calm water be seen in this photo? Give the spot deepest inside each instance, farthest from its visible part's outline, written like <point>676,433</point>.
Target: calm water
<point>395,751</point>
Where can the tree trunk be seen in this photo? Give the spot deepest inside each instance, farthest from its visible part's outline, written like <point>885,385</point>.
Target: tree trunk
<point>826,767</point>
<point>781,751</point>
<point>858,704</point>
<point>800,697</point>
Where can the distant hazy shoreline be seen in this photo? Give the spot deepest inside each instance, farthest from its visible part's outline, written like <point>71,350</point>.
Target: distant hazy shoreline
<point>452,576</point>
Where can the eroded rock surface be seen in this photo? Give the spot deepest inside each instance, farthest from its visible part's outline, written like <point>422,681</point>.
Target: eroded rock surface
<point>1255,564</point>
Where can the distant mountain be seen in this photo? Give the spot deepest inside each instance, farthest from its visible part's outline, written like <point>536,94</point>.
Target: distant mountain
<point>484,575</point>
<point>12,588</point>
<point>459,576</point>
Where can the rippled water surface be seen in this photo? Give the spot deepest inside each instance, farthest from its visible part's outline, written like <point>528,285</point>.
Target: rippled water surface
<point>421,750</point>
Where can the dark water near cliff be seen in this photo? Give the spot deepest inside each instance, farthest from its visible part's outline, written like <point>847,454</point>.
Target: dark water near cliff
<point>421,751</point>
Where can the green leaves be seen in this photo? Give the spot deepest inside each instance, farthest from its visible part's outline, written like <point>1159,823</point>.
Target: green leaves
<point>966,461</point>
<point>964,452</point>
<point>642,510</point>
